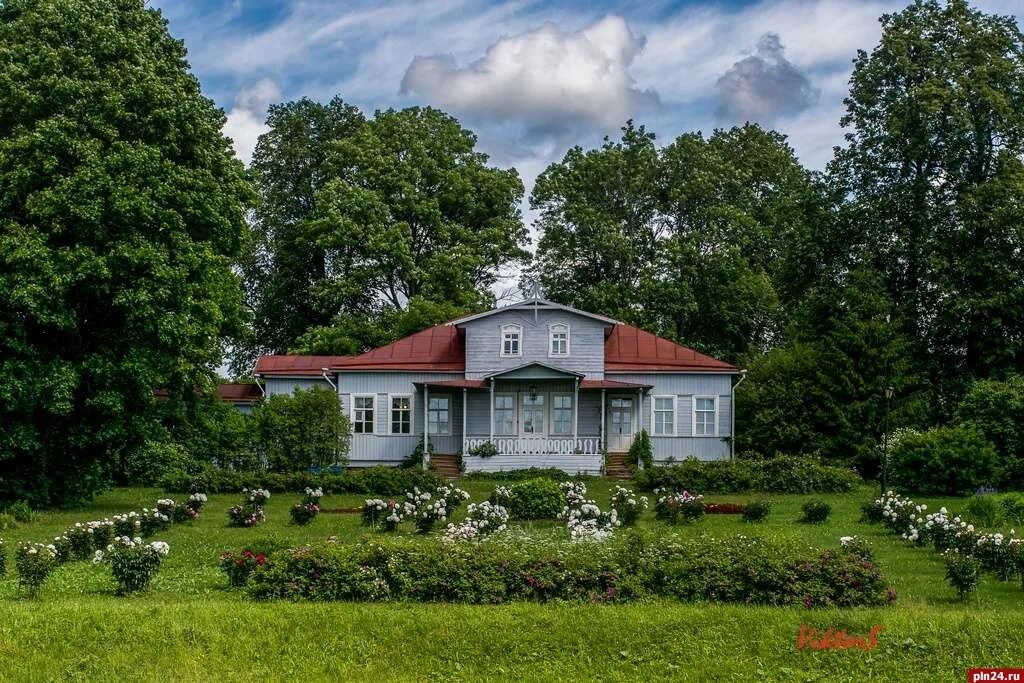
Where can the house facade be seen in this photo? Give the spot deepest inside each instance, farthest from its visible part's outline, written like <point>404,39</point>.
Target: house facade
<point>548,385</point>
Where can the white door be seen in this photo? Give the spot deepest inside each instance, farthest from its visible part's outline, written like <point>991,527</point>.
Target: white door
<point>620,424</point>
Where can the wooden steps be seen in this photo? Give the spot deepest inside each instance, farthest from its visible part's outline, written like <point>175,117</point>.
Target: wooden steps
<point>616,467</point>
<point>445,465</point>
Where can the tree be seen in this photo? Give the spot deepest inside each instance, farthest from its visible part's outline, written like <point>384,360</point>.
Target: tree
<point>121,213</point>
<point>996,409</point>
<point>284,265</point>
<point>933,168</point>
<point>306,429</point>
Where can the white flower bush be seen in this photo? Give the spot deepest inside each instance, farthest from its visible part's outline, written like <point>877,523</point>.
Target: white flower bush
<point>258,497</point>
<point>385,514</point>
<point>35,562</point>
<point>628,505</point>
<point>127,524</point>
<point>482,519</point>
<point>583,518</point>
<point>424,509</point>
<point>133,562</point>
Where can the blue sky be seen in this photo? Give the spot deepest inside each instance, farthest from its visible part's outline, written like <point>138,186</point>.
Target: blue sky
<point>533,78</point>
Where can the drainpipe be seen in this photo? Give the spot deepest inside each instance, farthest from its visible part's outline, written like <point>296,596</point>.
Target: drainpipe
<point>261,387</point>
<point>732,415</point>
<point>327,377</point>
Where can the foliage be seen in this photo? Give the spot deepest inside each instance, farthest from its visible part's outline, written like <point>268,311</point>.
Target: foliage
<point>381,514</point>
<point>528,473</point>
<point>640,451</point>
<point>944,460</point>
<point>155,460</point>
<point>123,211</point>
<point>996,409</point>
<point>133,562</point>
<point>962,572</point>
<point>539,498</point>
<point>756,511</point>
<point>239,566</point>
<point>250,511</point>
<point>1012,506</point>
<point>426,508</point>
<point>383,480</point>
<point>3,558</point>
<point>35,562</point>
<point>21,511</point>
<point>777,475</point>
<point>699,569</point>
<point>482,520</point>
<point>308,508</point>
<point>815,511</point>
<point>306,429</point>
<point>485,450</point>
<point>983,509</point>
<point>678,506</point>
<point>628,505</point>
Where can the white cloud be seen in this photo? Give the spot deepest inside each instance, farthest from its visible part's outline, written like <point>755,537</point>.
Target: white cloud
<point>764,86</point>
<point>548,79</point>
<point>245,122</point>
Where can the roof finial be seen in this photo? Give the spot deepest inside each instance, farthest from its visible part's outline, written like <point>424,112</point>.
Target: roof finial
<point>534,290</point>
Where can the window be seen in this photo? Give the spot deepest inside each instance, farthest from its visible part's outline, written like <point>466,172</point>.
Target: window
<point>439,415</point>
<point>533,414</point>
<point>362,414</point>
<point>559,340</point>
<point>511,340</point>
<point>705,415</point>
<point>401,414</point>
<point>561,414</point>
<point>664,415</point>
<point>504,414</point>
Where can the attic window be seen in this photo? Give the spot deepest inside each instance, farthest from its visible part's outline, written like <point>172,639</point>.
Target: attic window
<point>559,345</point>
<point>511,340</point>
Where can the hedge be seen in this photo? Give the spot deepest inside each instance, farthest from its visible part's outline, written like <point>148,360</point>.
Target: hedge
<point>529,473</point>
<point>782,474</point>
<point>380,480</point>
<point>632,567</point>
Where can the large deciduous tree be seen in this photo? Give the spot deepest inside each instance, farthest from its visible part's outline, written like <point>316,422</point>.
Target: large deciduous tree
<point>121,212</point>
<point>933,169</point>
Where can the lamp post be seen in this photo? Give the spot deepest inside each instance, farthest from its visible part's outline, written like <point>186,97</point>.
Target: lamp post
<point>885,439</point>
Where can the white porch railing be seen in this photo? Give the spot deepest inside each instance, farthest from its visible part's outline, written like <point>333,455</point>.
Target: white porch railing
<point>537,445</point>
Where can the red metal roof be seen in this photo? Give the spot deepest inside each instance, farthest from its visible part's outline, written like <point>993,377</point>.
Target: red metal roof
<point>296,365</point>
<point>610,384</point>
<point>436,349</point>
<point>239,392</point>
<point>630,348</point>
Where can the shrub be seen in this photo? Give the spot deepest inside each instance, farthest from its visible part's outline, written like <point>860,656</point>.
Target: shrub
<point>962,572</point>
<point>133,562</point>
<point>674,507</point>
<point>152,522</point>
<point>995,555</point>
<point>155,459</point>
<point>530,499</point>
<point>249,512</point>
<point>61,546</point>
<point>625,568</point>
<point>781,474</point>
<point>380,514</point>
<point>641,451</point>
<point>425,509</point>
<point>943,461</point>
<point>815,511</point>
<point>34,562</point>
<point>7,521</point>
<point>239,566</point>
<point>530,473</point>
<point>628,505</point>
<point>485,450</point>
<point>1013,508</point>
<point>102,533</point>
<point>303,430</point>
<point>983,510</point>
<point>379,480</point>
<point>21,511</point>
<point>80,540</point>
<point>481,520</point>
<point>308,508</point>
<point>756,511</point>
<point>996,410</point>
<point>127,524</point>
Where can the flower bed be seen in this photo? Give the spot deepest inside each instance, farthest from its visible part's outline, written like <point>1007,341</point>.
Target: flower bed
<point>629,567</point>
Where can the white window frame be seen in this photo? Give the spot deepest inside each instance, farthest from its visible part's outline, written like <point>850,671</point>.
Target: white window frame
<point>545,414</point>
<point>412,414</point>
<point>426,427</point>
<point>551,340</point>
<point>715,425</point>
<point>552,410</point>
<point>510,327</point>
<point>655,411</point>
<point>373,407</point>
<point>515,414</point>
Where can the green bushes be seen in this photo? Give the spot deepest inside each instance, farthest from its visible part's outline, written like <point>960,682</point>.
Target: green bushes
<point>640,451</point>
<point>387,481</point>
<point>983,510</point>
<point>700,569</point>
<point>952,461</point>
<point>531,499</point>
<point>778,475</point>
<point>306,429</point>
<point>996,409</point>
<point>529,473</point>
<point>815,511</point>
<point>756,511</point>
<point>154,460</point>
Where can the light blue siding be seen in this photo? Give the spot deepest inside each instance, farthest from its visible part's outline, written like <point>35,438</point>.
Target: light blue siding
<point>483,343</point>
<point>287,385</point>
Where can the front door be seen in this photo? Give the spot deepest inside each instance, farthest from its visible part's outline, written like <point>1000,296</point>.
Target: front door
<point>620,424</point>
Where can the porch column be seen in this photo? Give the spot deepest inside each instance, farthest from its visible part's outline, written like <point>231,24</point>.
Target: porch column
<point>603,439</point>
<point>492,410</point>
<point>464,394</point>
<point>426,427</point>
<point>575,411</point>
<point>639,417</point>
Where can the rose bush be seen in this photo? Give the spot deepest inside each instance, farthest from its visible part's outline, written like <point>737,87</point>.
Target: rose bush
<point>34,562</point>
<point>133,562</point>
<point>628,505</point>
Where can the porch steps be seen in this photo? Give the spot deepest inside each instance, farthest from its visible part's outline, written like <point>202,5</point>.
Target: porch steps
<point>616,467</point>
<point>446,466</point>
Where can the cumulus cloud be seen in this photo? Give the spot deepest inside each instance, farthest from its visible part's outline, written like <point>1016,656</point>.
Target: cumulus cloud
<point>245,121</point>
<point>764,86</point>
<point>548,79</point>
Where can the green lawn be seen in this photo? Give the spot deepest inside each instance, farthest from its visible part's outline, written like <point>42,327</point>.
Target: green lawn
<point>190,627</point>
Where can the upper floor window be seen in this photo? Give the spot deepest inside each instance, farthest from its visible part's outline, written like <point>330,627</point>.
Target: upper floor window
<point>705,415</point>
<point>511,340</point>
<point>362,414</point>
<point>559,345</point>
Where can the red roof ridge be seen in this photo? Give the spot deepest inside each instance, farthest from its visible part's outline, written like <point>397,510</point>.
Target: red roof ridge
<point>631,348</point>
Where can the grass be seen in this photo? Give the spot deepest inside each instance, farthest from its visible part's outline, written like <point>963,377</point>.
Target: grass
<point>190,627</point>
